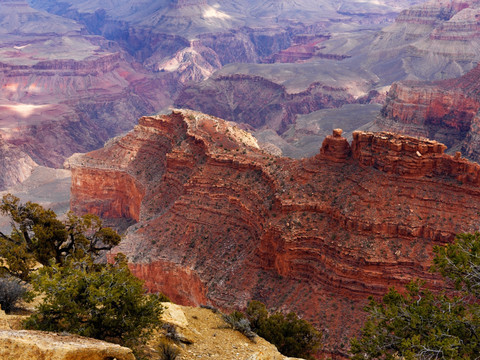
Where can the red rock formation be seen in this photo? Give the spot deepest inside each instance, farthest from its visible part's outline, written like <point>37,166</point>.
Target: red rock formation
<point>443,110</point>
<point>300,51</point>
<point>335,147</point>
<point>316,236</point>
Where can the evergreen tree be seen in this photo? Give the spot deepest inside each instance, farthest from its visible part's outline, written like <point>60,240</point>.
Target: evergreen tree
<point>422,325</point>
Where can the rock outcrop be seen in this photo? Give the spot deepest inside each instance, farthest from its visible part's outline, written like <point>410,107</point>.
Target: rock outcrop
<point>443,110</point>
<point>206,335</point>
<point>316,236</point>
<point>24,345</point>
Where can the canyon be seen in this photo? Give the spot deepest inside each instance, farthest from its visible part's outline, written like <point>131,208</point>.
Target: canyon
<point>80,65</point>
<point>443,110</point>
<point>62,90</point>
<point>433,41</point>
<point>186,42</point>
<point>212,218</point>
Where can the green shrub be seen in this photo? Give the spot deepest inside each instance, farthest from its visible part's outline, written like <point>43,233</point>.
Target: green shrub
<point>38,236</point>
<point>101,301</point>
<point>292,336</point>
<point>420,324</point>
<point>237,321</point>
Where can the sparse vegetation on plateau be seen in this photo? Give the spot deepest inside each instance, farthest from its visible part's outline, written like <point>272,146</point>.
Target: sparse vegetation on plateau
<point>80,294</point>
<point>167,350</point>
<point>101,301</point>
<point>291,335</point>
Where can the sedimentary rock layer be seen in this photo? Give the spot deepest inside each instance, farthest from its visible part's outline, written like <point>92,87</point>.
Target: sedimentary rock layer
<point>257,102</point>
<point>443,110</point>
<point>63,91</point>
<point>316,236</point>
<point>438,39</point>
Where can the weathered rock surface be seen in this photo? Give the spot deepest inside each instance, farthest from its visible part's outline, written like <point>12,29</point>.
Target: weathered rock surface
<point>23,344</point>
<point>258,102</point>
<point>316,236</point>
<point>15,165</point>
<point>63,91</point>
<point>443,110</point>
<point>210,337</point>
<point>438,39</point>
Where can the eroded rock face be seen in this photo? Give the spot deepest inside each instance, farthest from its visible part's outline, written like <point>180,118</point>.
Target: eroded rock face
<point>63,91</point>
<point>444,110</point>
<point>24,345</point>
<point>438,39</point>
<point>316,236</point>
<point>258,102</point>
<point>15,165</point>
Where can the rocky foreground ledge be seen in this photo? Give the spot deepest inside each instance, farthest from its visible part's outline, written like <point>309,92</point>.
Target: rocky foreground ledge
<point>28,345</point>
<point>203,333</point>
<point>217,220</point>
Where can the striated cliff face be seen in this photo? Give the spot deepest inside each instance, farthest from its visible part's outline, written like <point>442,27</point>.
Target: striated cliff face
<point>444,110</point>
<point>438,39</point>
<point>63,91</point>
<point>219,220</point>
<point>258,102</point>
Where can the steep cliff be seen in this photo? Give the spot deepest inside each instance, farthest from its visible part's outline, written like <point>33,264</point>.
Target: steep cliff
<point>443,110</point>
<point>219,220</point>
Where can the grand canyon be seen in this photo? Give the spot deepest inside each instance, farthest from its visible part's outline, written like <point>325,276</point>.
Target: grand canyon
<point>219,220</point>
<point>237,181</point>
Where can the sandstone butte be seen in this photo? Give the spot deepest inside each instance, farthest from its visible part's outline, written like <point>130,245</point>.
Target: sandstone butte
<point>445,110</point>
<point>217,220</point>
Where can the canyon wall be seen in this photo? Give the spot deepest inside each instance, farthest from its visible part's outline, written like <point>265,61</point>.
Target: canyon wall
<point>229,222</point>
<point>257,102</point>
<point>63,91</point>
<point>435,40</point>
<point>443,110</point>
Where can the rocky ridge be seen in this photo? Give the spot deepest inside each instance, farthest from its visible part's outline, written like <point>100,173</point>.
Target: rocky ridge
<point>443,110</point>
<point>258,103</point>
<point>202,331</point>
<point>218,220</point>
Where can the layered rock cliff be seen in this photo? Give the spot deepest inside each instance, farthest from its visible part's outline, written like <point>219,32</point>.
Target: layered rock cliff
<point>258,102</point>
<point>444,110</point>
<point>220,221</point>
<point>63,91</point>
<point>438,39</point>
